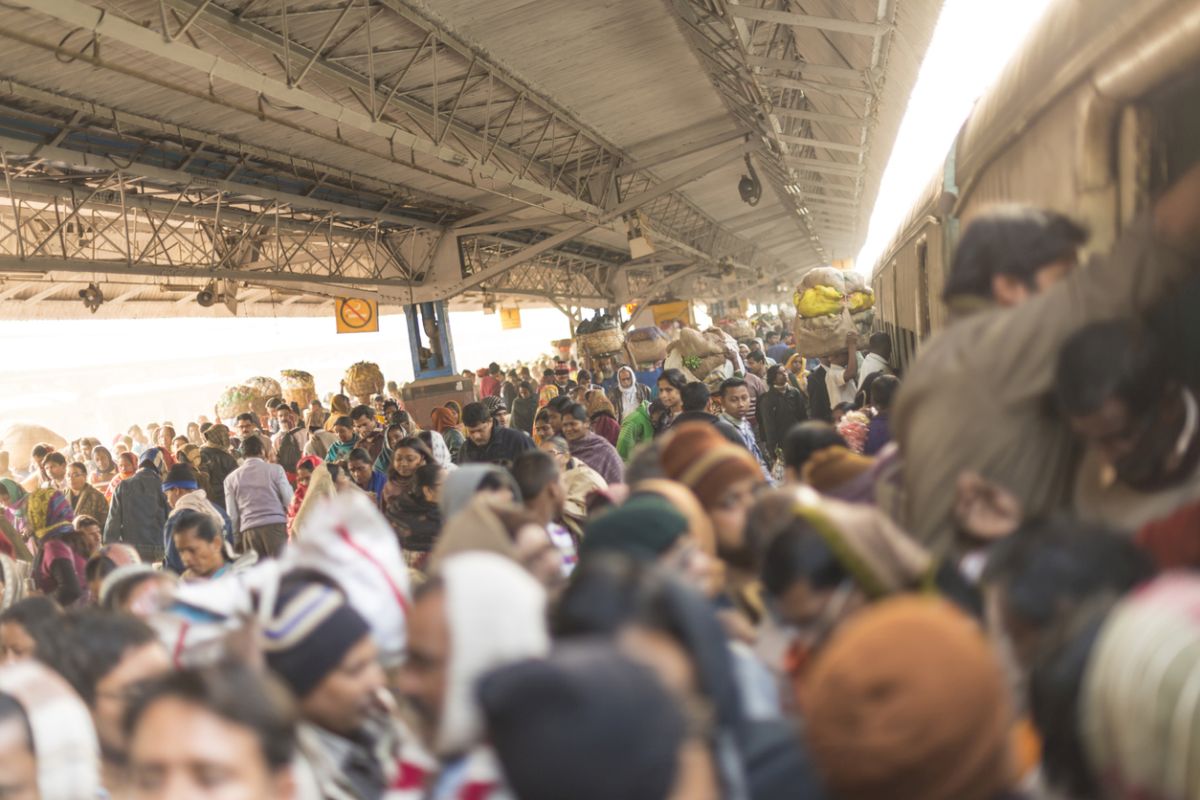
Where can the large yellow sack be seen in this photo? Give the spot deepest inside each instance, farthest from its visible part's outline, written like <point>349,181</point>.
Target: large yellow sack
<point>818,301</point>
<point>824,290</point>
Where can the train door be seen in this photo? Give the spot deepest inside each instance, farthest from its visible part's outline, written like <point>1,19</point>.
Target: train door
<point>924,319</point>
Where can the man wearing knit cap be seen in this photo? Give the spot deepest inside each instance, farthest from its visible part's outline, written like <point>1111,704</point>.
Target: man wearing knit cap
<point>908,702</point>
<point>647,528</point>
<point>480,612</point>
<point>323,651</point>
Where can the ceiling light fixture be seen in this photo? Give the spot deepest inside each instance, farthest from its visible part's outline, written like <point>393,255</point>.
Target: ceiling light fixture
<point>92,297</point>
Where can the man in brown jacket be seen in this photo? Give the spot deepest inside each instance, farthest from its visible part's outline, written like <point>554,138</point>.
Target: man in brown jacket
<point>976,400</point>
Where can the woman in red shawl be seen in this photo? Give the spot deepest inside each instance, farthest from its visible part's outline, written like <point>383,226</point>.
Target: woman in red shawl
<point>304,471</point>
<point>126,467</point>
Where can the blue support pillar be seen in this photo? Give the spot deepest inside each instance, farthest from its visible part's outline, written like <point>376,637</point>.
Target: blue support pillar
<point>429,340</point>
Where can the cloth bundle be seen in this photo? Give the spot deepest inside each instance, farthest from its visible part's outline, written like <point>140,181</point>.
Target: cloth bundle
<point>831,304</point>
<point>699,354</point>
<point>647,345</point>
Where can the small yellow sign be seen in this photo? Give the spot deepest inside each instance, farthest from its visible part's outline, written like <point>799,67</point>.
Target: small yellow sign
<point>679,311</point>
<point>510,318</point>
<point>356,315</point>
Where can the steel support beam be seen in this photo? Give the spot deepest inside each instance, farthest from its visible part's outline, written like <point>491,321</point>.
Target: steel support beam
<point>683,150</point>
<point>97,21</point>
<point>830,167</point>
<point>777,82</point>
<point>823,144</point>
<point>816,116</point>
<point>832,24</point>
<point>789,66</point>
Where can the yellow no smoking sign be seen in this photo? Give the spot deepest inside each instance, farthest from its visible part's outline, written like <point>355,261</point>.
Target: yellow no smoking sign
<point>355,315</point>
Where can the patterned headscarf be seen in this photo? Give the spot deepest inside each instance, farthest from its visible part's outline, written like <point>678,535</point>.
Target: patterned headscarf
<point>192,453</point>
<point>49,511</point>
<point>68,755</point>
<point>217,436</point>
<point>1139,701</point>
<point>154,458</point>
<point>546,394</point>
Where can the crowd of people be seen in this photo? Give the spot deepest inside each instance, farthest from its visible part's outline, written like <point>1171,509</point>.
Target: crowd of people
<point>812,578</point>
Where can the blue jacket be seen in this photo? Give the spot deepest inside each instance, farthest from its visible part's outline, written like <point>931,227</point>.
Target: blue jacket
<point>172,561</point>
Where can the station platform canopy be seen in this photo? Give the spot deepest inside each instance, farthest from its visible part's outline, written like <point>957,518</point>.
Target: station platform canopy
<point>275,154</point>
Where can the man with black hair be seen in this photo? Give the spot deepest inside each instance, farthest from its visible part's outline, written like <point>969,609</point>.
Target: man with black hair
<point>291,440</point>
<point>370,438</point>
<point>248,427</point>
<point>878,358</point>
<point>801,442</point>
<point>696,401</point>
<point>542,490</point>
<point>489,443</point>
<point>228,721</point>
<point>105,656</point>
<point>735,407</point>
<point>1140,422</point>
<point>975,400</point>
<point>55,467</point>
<point>779,410</point>
<point>257,497</point>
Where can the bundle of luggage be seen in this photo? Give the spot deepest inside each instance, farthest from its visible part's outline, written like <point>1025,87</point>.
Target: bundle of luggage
<point>600,335</point>
<point>298,387</point>
<point>647,346</point>
<point>363,380</point>
<point>830,305</point>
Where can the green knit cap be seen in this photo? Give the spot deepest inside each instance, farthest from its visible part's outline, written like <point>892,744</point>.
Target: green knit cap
<point>644,528</point>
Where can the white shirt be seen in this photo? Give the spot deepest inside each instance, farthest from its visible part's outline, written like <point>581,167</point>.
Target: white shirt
<point>871,364</point>
<point>840,389</point>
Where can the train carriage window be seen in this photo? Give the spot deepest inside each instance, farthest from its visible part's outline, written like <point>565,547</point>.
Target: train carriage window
<point>1169,119</point>
<point>1174,116</point>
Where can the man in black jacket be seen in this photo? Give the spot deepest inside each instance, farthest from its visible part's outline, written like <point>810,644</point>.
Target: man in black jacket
<point>488,442</point>
<point>781,408</point>
<point>139,509</point>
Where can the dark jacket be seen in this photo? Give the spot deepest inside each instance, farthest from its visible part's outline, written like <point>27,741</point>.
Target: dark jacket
<point>818,396</point>
<point>138,513</point>
<point>524,409</point>
<point>878,435</point>
<point>777,412</point>
<point>723,427</point>
<point>218,464</point>
<point>505,445</point>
